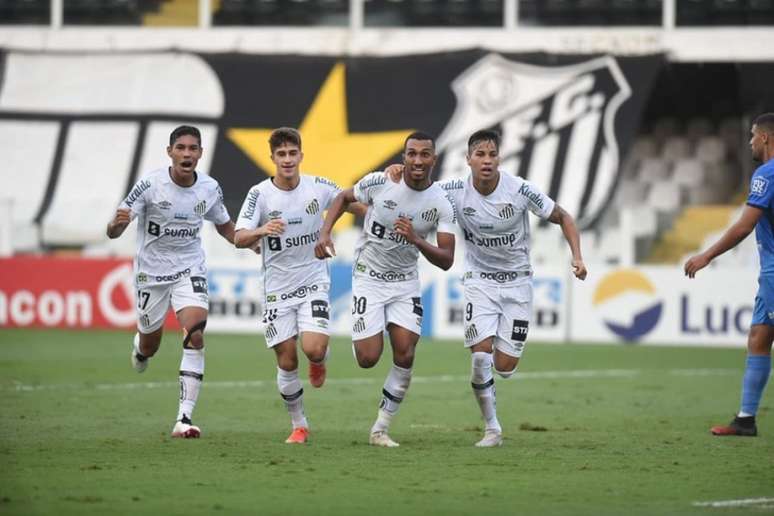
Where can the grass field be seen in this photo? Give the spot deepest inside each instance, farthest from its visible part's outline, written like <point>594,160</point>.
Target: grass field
<point>589,430</point>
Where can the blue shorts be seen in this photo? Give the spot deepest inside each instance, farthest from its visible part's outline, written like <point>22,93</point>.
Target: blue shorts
<point>763,313</point>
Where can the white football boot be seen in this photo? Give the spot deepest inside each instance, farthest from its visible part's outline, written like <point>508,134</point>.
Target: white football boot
<point>491,439</point>
<point>137,364</point>
<point>382,439</point>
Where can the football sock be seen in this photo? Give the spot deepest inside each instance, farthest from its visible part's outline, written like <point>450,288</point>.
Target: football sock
<point>395,387</point>
<point>291,391</point>
<point>191,376</point>
<point>756,374</point>
<point>482,381</point>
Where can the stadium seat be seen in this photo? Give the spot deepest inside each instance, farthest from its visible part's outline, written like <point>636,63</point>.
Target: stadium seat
<point>698,127</point>
<point>652,170</point>
<point>675,148</point>
<point>665,196</point>
<point>644,147</point>
<point>711,149</point>
<point>664,128</point>
<point>630,193</point>
<point>689,172</point>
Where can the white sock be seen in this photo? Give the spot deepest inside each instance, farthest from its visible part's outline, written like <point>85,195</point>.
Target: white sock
<point>291,391</point>
<point>191,376</point>
<point>482,381</point>
<point>395,387</point>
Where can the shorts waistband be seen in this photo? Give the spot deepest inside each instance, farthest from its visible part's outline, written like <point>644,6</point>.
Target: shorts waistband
<point>499,277</point>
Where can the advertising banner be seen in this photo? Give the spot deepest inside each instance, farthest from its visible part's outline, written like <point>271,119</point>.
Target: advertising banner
<point>659,305</point>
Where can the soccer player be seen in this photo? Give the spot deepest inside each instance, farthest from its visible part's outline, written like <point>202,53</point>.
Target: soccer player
<point>385,286</point>
<point>169,268</point>
<point>286,210</point>
<point>492,209</point>
<point>758,214</point>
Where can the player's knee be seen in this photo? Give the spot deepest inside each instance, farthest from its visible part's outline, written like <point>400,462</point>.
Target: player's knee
<point>366,360</point>
<point>404,360</point>
<point>316,354</point>
<point>194,336</point>
<point>506,374</point>
<point>287,363</point>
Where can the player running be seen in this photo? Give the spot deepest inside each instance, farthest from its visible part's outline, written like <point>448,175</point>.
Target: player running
<point>385,287</point>
<point>169,267</point>
<point>286,211</point>
<point>492,209</point>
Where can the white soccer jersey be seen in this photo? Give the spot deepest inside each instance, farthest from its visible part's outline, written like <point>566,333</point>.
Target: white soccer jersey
<point>169,223</point>
<point>291,269</point>
<point>382,253</point>
<point>496,226</point>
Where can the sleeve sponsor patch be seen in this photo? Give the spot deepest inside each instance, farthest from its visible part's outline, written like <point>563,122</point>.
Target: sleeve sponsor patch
<point>759,186</point>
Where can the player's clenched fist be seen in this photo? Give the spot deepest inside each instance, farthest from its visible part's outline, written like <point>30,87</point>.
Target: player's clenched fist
<point>121,219</point>
<point>404,228</point>
<point>274,227</point>
<point>324,248</point>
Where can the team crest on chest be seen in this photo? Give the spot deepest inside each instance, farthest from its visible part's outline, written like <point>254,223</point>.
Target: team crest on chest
<point>201,208</point>
<point>506,211</point>
<point>430,215</point>
<point>313,207</point>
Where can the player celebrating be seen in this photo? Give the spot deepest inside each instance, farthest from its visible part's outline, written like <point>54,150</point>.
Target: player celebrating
<point>286,210</point>
<point>492,211</point>
<point>386,290</point>
<point>169,268</point>
<point>758,214</point>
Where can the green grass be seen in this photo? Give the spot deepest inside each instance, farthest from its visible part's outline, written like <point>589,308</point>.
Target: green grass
<point>81,433</point>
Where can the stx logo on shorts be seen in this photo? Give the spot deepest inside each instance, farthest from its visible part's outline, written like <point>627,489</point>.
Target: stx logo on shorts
<point>471,332</point>
<point>417,301</point>
<point>359,326</point>
<point>507,211</point>
<point>201,208</point>
<point>430,215</point>
<point>199,284</point>
<point>313,207</point>
<point>759,186</point>
<point>519,331</point>
<point>320,309</point>
<point>390,204</point>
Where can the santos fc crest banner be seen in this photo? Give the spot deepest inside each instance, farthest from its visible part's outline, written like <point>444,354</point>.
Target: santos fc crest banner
<point>103,120</point>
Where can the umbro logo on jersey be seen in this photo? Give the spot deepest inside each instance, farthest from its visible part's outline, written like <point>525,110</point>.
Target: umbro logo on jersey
<point>164,205</point>
<point>430,215</point>
<point>507,211</point>
<point>469,211</point>
<point>275,214</point>
<point>390,204</point>
<point>313,207</point>
<point>201,208</point>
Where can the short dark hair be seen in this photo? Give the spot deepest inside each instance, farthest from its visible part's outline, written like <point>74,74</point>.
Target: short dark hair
<point>184,130</point>
<point>484,135</point>
<point>283,135</point>
<point>765,122</point>
<point>418,135</point>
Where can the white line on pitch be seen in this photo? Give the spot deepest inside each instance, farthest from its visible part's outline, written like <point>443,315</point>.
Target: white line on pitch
<point>537,375</point>
<point>735,503</point>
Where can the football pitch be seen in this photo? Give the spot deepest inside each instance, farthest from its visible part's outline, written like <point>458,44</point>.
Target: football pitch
<point>588,430</point>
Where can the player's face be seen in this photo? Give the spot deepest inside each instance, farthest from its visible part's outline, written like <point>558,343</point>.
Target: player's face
<point>484,160</point>
<point>287,158</point>
<point>758,143</point>
<point>419,159</point>
<point>185,154</point>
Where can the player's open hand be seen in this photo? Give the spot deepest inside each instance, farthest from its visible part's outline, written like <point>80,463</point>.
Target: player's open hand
<point>274,227</point>
<point>695,264</point>
<point>324,248</point>
<point>394,172</point>
<point>579,269</point>
<point>404,228</point>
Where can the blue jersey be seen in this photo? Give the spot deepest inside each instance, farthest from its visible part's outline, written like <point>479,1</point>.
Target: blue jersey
<point>762,196</point>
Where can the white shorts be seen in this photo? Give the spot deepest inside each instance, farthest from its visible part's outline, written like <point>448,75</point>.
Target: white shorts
<point>306,315</point>
<point>375,304</point>
<point>153,301</point>
<point>499,311</point>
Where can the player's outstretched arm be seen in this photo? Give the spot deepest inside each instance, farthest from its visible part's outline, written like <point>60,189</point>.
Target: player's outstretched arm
<point>324,247</point>
<point>249,237</point>
<point>226,231</point>
<point>570,230</point>
<point>121,220</point>
<point>730,239</point>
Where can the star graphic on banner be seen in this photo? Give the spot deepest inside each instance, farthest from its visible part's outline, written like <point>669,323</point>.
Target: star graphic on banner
<point>330,150</point>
